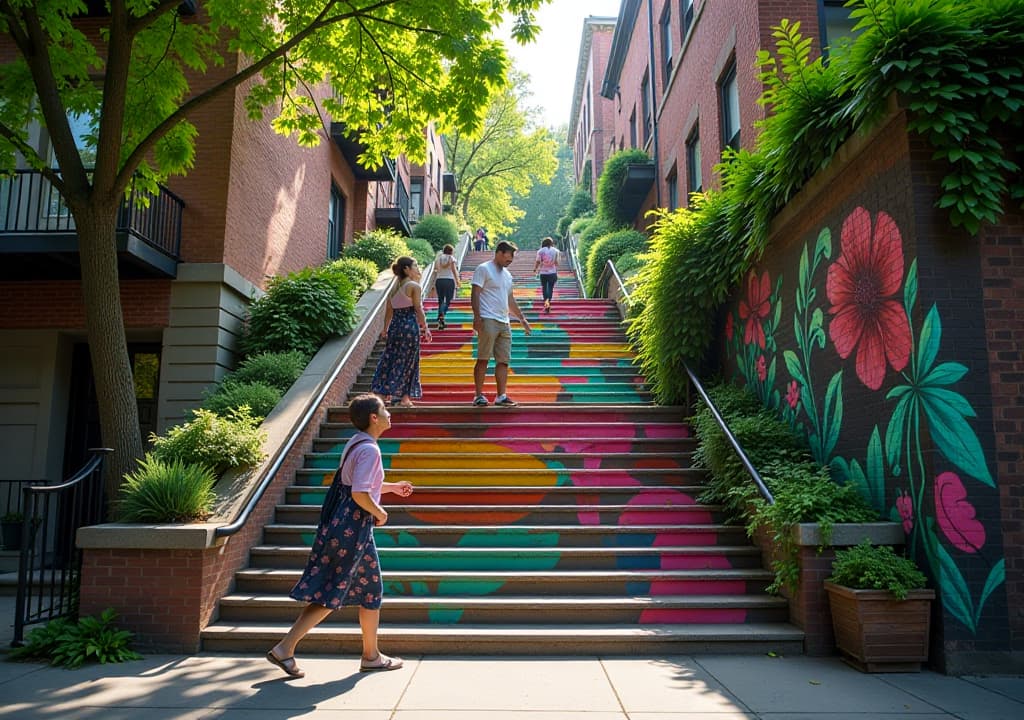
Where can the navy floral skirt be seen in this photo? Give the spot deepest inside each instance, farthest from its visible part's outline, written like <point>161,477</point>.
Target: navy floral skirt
<point>343,567</point>
<point>398,370</point>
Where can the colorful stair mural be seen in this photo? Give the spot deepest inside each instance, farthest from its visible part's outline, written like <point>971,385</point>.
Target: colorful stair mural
<point>567,525</point>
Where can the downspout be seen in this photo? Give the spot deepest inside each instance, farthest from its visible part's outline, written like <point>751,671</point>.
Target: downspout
<point>654,106</point>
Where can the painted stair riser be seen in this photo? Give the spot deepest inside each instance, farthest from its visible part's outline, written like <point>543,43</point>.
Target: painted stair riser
<point>563,583</point>
<point>522,559</point>
<point>406,455</point>
<point>403,430</point>
<point>512,613</point>
<point>539,477</point>
<point>640,536</point>
<point>643,449</point>
<point>521,515</point>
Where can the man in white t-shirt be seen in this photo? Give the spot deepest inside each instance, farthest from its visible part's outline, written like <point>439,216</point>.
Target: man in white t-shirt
<point>492,299</point>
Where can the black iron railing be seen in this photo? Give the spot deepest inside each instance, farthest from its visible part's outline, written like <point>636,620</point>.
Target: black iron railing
<point>50,565</point>
<point>31,205</point>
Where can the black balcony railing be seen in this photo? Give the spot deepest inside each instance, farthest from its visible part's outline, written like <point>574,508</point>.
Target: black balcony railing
<point>31,210</point>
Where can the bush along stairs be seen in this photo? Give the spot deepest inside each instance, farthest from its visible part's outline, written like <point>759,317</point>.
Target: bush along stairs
<point>567,525</point>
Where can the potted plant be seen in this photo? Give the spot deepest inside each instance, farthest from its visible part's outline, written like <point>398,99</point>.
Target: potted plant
<point>880,609</point>
<point>10,530</point>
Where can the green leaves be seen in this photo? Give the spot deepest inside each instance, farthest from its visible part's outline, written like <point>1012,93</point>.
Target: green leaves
<point>69,644</point>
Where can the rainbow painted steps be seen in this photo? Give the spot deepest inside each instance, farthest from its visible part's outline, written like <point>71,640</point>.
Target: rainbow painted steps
<point>568,525</point>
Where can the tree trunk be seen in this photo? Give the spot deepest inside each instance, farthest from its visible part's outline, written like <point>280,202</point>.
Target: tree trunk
<point>108,346</point>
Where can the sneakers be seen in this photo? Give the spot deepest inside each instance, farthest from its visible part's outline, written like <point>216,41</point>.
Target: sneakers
<point>441,324</point>
<point>505,401</point>
<point>480,401</point>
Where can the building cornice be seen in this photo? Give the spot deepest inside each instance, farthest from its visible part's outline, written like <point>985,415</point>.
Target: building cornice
<point>620,46</point>
<point>590,24</point>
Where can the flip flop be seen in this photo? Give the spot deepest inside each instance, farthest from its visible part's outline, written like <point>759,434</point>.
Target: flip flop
<point>286,664</point>
<point>383,662</point>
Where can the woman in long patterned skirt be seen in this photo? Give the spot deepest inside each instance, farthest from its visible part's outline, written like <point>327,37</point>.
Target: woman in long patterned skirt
<point>398,370</point>
<point>343,566</point>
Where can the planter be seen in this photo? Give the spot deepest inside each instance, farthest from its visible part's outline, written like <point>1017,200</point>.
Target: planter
<point>875,632</point>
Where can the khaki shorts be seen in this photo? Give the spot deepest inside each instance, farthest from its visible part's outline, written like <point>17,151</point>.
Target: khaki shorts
<point>494,340</point>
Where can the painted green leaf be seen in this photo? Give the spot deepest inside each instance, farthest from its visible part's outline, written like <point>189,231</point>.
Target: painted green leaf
<point>947,373</point>
<point>910,289</point>
<point>996,577</point>
<point>824,246</point>
<point>956,597</point>
<point>875,471</point>
<point>931,336</point>
<point>802,279</point>
<point>833,417</point>
<point>953,435</point>
<point>793,366</point>
<point>817,327</point>
<point>894,433</point>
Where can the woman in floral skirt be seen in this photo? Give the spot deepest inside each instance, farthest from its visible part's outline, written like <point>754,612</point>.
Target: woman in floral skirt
<point>398,370</point>
<point>343,566</point>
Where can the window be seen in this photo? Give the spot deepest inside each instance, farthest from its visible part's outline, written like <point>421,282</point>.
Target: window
<point>694,183</point>
<point>836,24</point>
<point>666,45</point>
<point>81,129</point>
<point>729,97</point>
<point>686,14</point>
<point>673,189</point>
<point>335,223</point>
<point>415,199</point>
<point>645,100</point>
<point>632,129</point>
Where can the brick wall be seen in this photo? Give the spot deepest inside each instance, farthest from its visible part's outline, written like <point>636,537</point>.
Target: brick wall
<point>59,304</point>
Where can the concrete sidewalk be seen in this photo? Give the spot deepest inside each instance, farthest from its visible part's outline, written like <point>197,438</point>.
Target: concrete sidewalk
<point>707,687</point>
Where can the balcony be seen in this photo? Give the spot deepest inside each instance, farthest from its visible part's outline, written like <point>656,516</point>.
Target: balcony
<point>352,149</point>
<point>395,216</point>
<point>38,239</point>
<point>636,185</point>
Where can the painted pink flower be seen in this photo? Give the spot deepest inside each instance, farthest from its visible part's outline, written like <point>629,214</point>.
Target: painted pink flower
<point>905,507</point>
<point>755,308</point>
<point>861,285</point>
<point>729,327</point>
<point>793,394</point>
<point>762,368</point>
<point>956,515</point>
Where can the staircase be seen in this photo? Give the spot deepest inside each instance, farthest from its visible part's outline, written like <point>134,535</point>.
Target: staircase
<point>567,525</point>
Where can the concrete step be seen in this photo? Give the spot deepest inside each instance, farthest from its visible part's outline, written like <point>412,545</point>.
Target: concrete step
<point>511,494</point>
<point>613,639</point>
<point>530,476</point>
<point>642,448</point>
<point>580,611</point>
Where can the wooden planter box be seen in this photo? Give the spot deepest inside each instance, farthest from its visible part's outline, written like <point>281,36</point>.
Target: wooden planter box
<point>878,633</point>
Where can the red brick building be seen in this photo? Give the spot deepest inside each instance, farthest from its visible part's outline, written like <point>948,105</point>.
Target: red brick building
<point>592,114</point>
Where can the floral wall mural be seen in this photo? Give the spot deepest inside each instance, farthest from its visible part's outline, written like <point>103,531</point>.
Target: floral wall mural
<point>848,352</point>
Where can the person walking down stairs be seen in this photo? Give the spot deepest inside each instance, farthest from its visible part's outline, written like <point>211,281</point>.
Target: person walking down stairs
<point>491,299</point>
<point>547,266</point>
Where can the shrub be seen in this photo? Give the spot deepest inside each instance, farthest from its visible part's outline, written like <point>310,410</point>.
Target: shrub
<point>159,491</point>
<point>437,230</point>
<point>580,204</point>
<point>609,186</point>
<point>277,369</point>
<point>259,397</point>
<point>361,273</point>
<point>588,238</point>
<point>299,312</point>
<point>381,247</point>
<point>610,247</point>
<point>580,224</point>
<point>876,567</point>
<point>218,442</point>
<point>628,264</point>
<point>70,644</point>
<point>421,251</point>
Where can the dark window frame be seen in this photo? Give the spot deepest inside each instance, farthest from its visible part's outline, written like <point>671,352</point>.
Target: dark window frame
<point>645,105</point>
<point>335,223</point>
<point>727,81</point>
<point>694,175</point>
<point>686,17</point>
<point>665,30</point>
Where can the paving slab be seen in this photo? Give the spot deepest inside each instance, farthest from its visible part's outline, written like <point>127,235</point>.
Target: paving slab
<point>794,685</point>
<point>1012,687</point>
<point>963,698</point>
<point>677,684</point>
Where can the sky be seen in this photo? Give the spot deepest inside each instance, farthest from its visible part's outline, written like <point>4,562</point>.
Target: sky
<point>551,60</point>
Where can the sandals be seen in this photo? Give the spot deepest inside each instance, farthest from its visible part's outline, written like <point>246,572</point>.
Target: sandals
<point>382,662</point>
<point>287,664</point>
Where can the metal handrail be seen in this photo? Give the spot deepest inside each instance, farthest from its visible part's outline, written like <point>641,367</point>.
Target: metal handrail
<point>300,427</point>
<point>574,264</point>
<point>611,273</point>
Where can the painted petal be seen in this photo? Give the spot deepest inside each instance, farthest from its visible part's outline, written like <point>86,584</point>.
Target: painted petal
<point>887,254</point>
<point>895,332</point>
<point>956,515</point>
<point>845,330</point>
<point>856,239</point>
<point>871,357</point>
<point>839,285</point>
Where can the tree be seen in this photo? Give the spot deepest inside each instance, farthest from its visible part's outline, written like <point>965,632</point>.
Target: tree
<point>506,158</point>
<point>384,68</point>
<point>542,206</point>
